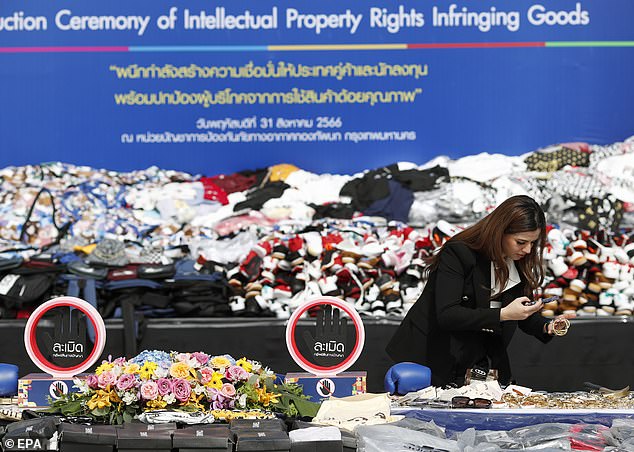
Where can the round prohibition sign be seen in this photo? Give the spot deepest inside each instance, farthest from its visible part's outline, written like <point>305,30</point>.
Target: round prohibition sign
<point>36,354</point>
<point>293,349</point>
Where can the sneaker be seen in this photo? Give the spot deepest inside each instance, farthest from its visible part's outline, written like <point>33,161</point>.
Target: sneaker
<point>314,245</point>
<point>558,266</point>
<point>385,282</point>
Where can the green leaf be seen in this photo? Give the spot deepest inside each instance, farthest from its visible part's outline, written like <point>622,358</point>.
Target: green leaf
<point>71,408</point>
<point>305,408</point>
<point>127,417</point>
<point>100,411</point>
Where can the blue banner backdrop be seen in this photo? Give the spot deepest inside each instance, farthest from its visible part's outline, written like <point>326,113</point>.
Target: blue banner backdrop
<point>331,86</point>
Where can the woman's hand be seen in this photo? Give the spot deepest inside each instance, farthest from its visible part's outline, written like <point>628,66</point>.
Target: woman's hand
<point>558,326</point>
<point>520,309</point>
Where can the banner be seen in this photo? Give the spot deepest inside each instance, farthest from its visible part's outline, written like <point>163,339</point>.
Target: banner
<point>329,86</point>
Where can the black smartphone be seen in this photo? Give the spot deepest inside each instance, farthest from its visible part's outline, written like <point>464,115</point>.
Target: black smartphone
<point>544,300</point>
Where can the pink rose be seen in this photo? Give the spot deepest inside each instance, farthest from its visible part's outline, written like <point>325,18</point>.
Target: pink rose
<point>236,373</point>
<point>182,357</point>
<point>182,390</point>
<point>228,390</point>
<point>126,381</point>
<point>202,358</point>
<point>164,386</point>
<point>206,374</point>
<point>106,379</point>
<point>92,381</point>
<point>149,390</point>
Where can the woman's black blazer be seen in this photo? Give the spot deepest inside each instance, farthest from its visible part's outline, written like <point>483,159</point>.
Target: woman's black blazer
<point>456,304</point>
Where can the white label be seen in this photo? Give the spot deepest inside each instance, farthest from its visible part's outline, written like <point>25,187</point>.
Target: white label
<point>7,283</point>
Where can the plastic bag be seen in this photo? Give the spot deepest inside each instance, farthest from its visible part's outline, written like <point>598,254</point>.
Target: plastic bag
<point>381,438</point>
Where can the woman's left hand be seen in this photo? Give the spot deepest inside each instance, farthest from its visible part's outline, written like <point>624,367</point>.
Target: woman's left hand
<point>558,326</point>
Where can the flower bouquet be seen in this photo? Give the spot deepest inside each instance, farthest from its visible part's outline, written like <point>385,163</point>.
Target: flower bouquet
<point>121,389</point>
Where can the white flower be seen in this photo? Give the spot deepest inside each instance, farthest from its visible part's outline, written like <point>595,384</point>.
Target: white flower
<point>169,398</point>
<point>129,398</point>
<point>160,372</point>
<point>199,389</point>
<point>117,371</point>
<point>242,401</point>
<point>81,385</point>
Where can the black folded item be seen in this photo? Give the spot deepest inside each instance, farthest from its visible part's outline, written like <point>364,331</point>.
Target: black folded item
<point>9,263</point>
<point>18,290</point>
<point>39,429</point>
<point>258,424</point>
<point>81,268</point>
<point>262,440</point>
<point>152,271</point>
<point>144,439</point>
<point>207,437</point>
<point>79,438</point>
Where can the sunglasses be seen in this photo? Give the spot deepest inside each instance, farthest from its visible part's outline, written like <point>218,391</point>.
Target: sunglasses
<point>467,402</point>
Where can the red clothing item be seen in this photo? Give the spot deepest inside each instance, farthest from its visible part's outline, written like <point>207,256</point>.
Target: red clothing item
<point>234,182</point>
<point>213,192</point>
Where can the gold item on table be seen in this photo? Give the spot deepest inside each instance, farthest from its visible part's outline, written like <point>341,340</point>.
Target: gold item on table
<point>569,400</point>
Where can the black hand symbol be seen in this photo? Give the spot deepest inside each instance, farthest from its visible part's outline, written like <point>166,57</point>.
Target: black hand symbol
<point>58,389</point>
<point>69,331</point>
<point>325,388</point>
<point>330,336</point>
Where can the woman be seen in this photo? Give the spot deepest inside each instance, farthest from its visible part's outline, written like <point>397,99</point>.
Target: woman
<point>479,290</point>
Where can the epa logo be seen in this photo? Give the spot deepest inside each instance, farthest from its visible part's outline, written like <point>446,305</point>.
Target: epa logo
<point>57,389</point>
<point>325,387</point>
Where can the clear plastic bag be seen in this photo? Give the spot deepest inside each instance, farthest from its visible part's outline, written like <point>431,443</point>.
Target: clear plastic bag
<point>381,438</point>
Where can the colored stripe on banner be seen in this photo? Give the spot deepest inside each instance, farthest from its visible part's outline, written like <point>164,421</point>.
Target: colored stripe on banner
<point>316,47</point>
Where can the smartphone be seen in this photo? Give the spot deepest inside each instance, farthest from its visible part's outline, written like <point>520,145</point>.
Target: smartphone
<point>544,300</point>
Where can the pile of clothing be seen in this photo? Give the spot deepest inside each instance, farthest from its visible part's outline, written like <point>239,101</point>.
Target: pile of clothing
<point>260,242</point>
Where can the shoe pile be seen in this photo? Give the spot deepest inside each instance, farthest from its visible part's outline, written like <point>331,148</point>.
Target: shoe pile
<point>592,274</point>
<point>377,267</point>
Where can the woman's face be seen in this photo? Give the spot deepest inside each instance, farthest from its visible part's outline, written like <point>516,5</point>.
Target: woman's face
<point>516,246</point>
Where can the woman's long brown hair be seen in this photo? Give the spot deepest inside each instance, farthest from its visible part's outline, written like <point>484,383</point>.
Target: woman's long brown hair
<point>516,214</point>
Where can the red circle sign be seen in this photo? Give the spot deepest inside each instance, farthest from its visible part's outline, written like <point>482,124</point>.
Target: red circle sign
<point>36,354</point>
<point>305,363</point>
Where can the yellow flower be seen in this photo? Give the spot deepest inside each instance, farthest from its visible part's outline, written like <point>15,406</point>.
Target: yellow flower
<point>103,367</point>
<point>157,404</point>
<point>131,368</point>
<point>147,371</point>
<point>220,361</point>
<point>266,398</point>
<point>100,399</point>
<point>180,370</point>
<point>216,380</point>
<point>194,401</point>
<point>246,365</point>
<point>114,397</point>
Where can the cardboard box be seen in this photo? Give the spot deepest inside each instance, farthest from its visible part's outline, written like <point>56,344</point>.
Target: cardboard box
<point>204,437</point>
<point>262,441</point>
<point>35,389</point>
<point>322,388</point>
<point>80,438</point>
